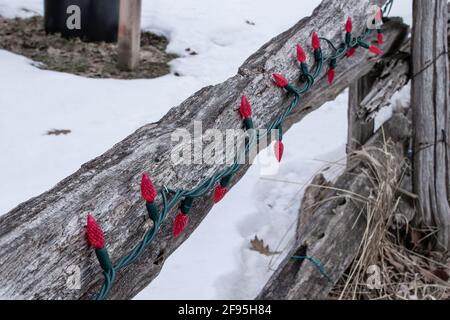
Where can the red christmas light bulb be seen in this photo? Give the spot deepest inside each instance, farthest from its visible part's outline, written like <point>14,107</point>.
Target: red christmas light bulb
<point>94,234</point>
<point>219,193</point>
<point>315,41</point>
<point>351,52</point>
<point>181,222</point>
<point>148,190</point>
<point>246,109</point>
<point>279,150</point>
<point>349,25</point>
<point>375,50</point>
<point>380,38</point>
<point>280,81</point>
<point>331,75</point>
<point>301,55</point>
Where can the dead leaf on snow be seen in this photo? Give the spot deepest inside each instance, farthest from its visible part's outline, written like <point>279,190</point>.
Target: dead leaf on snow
<point>258,246</point>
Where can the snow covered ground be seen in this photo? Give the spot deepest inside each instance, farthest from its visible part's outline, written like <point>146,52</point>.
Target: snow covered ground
<point>216,261</point>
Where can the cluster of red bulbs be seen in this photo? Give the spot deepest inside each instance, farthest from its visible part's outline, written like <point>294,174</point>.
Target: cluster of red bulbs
<point>94,233</point>
<point>245,111</point>
<point>371,48</point>
<point>149,193</point>
<point>281,82</point>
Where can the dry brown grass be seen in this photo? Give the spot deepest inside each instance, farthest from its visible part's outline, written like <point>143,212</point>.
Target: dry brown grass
<point>392,252</point>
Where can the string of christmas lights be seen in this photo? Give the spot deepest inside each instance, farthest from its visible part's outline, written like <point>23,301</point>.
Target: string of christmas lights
<point>221,180</point>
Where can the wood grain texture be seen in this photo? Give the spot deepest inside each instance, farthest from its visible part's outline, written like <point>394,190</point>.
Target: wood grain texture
<point>43,238</point>
<point>431,116</point>
<point>359,130</point>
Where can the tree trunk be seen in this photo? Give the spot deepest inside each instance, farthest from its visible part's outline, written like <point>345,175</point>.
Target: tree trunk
<point>431,116</point>
<point>42,241</point>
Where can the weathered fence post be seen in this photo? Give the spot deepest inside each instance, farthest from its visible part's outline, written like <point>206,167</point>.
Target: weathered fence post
<point>129,36</point>
<point>431,116</point>
<point>359,130</point>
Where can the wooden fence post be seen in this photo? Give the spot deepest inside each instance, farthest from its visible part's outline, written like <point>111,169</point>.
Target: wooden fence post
<point>359,130</point>
<point>129,36</point>
<point>431,116</point>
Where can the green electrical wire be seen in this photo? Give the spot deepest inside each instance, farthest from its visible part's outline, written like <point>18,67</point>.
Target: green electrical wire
<point>317,264</point>
<point>203,188</point>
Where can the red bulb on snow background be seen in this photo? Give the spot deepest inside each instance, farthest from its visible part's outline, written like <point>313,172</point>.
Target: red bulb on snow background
<point>315,41</point>
<point>380,38</point>
<point>148,191</point>
<point>181,222</point>
<point>349,25</point>
<point>94,234</point>
<point>351,52</point>
<point>246,109</point>
<point>279,150</point>
<point>280,81</point>
<point>331,75</point>
<point>375,50</point>
<point>301,55</point>
<point>219,193</point>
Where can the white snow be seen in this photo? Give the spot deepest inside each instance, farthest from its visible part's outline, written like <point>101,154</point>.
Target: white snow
<point>215,262</point>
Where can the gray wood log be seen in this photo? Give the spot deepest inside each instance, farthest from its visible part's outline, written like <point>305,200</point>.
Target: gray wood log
<point>431,116</point>
<point>44,238</point>
<point>334,227</point>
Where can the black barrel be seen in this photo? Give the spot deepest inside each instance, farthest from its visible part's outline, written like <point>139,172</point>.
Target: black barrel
<point>99,19</point>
